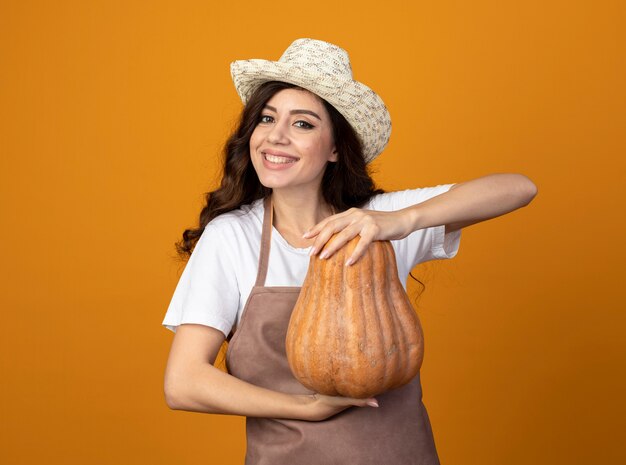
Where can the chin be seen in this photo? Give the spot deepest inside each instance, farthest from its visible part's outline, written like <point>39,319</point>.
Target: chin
<point>267,181</point>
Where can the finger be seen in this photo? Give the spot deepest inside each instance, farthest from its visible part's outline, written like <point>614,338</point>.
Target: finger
<point>367,237</point>
<point>370,402</point>
<point>315,230</point>
<point>347,401</point>
<point>340,239</point>
<point>325,234</point>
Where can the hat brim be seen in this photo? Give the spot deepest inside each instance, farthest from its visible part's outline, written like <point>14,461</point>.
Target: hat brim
<point>359,104</point>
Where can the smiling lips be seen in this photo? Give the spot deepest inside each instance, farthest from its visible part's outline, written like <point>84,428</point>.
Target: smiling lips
<point>278,158</point>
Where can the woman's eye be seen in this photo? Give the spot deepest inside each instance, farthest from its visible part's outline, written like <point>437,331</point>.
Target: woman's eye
<point>304,125</point>
<point>265,119</point>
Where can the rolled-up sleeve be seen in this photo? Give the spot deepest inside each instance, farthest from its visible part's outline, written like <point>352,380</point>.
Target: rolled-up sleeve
<point>426,244</point>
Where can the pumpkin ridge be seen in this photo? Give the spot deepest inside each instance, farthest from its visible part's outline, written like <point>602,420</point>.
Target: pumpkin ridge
<point>335,341</point>
<point>399,364</point>
<point>404,313</point>
<point>309,316</point>
<point>323,341</point>
<point>306,314</point>
<point>410,327</point>
<point>348,357</point>
<point>381,312</point>
<point>415,338</point>
<point>363,343</point>
<point>296,339</point>
<point>339,339</point>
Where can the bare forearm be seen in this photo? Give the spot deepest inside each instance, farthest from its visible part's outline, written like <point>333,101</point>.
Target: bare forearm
<point>473,201</point>
<point>210,390</point>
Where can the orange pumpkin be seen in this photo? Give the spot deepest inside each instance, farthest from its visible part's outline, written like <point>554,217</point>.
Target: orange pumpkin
<point>353,331</point>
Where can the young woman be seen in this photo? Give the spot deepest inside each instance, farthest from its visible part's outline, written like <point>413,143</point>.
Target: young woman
<point>295,173</point>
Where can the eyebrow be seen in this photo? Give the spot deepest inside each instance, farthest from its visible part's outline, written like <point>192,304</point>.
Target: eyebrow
<point>296,112</point>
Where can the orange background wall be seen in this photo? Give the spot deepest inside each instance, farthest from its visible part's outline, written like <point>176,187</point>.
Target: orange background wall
<point>112,117</point>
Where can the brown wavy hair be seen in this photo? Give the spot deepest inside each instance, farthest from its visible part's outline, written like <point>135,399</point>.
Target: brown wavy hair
<point>346,183</point>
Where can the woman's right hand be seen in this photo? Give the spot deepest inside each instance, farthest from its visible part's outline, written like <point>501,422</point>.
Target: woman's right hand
<point>192,383</point>
<point>320,407</point>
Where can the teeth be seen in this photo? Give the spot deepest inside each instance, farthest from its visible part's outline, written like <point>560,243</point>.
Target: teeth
<point>278,159</point>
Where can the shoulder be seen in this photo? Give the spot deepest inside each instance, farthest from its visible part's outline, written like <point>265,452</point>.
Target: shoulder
<point>246,218</point>
<point>229,233</point>
<point>396,200</point>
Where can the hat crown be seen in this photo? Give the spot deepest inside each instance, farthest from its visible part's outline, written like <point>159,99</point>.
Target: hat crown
<point>322,55</point>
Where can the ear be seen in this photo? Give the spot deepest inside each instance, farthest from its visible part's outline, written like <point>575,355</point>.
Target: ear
<point>334,156</point>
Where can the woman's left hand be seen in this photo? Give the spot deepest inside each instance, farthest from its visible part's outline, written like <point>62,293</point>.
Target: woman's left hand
<point>368,224</point>
<point>462,205</point>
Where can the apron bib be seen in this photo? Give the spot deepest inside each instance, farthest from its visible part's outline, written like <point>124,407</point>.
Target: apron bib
<point>398,432</point>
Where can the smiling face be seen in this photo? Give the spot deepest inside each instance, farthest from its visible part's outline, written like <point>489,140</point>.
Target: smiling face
<point>293,141</point>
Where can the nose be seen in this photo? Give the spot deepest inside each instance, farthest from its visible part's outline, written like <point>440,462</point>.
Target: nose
<point>277,134</point>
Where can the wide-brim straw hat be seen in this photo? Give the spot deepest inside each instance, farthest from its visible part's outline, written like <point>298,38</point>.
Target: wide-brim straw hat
<point>325,70</point>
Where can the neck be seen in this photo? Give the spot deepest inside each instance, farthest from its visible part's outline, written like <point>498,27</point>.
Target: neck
<point>296,213</point>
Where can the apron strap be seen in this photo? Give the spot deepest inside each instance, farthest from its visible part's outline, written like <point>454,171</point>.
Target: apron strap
<point>266,237</point>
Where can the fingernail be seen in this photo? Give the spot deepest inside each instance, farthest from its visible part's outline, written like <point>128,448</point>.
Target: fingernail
<point>372,403</point>
<point>312,252</point>
<point>324,254</point>
<point>349,262</point>
<point>305,235</point>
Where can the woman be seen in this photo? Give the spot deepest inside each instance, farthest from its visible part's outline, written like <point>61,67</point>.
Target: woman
<point>295,173</point>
